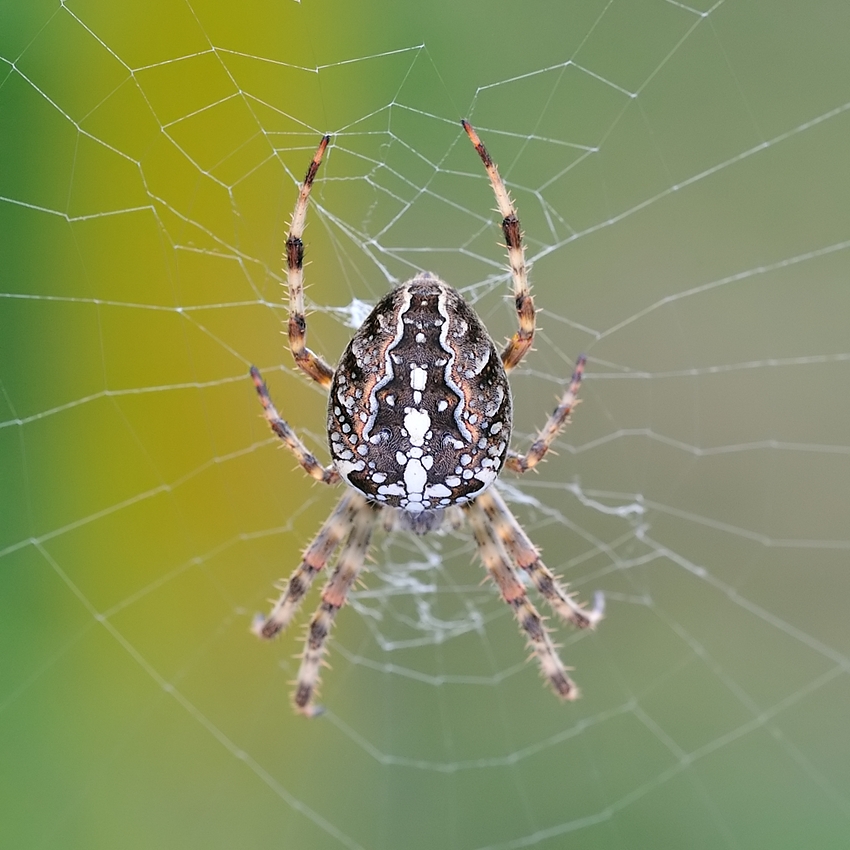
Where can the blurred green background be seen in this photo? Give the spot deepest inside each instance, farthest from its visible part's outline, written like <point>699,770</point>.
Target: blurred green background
<point>681,174</point>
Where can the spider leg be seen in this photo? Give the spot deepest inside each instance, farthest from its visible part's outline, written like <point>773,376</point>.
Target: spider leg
<point>521,341</point>
<point>348,567</point>
<point>307,361</point>
<point>316,557</point>
<point>524,553</point>
<point>513,592</point>
<point>325,474</point>
<point>559,418</point>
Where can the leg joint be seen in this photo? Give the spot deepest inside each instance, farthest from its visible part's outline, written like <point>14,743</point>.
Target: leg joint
<point>297,326</point>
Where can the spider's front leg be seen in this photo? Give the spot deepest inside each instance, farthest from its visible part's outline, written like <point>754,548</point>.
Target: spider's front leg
<point>521,341</point>
<point>556,423</point>
<point>325,474</point>
<point>307,361</point>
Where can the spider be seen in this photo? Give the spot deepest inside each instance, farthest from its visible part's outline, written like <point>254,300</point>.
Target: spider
<point>419,425</point>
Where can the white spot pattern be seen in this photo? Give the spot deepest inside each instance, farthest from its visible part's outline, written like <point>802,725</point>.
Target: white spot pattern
<point>419,398</point>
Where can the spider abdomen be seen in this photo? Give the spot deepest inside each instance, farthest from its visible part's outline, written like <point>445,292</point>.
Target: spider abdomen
<point>419,415</point>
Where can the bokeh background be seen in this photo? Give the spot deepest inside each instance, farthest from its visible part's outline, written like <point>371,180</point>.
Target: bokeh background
<point>681,174</point>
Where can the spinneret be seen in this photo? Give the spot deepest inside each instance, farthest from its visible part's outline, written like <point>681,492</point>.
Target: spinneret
<point>419,427</point>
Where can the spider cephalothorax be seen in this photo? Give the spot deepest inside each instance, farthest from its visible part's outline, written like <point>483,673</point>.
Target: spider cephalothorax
<point>419,423</point>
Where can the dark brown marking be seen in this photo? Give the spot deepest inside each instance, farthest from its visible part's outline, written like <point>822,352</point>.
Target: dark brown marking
<point>294,253</point>
<point>510,227</point>
<point>317,161</point>
<point>303,695</point>
<point>297,327</point>
<point>564,686</point>
<point>532,625</point>
<point>270,629</point>
<point>319,630</point>
<point>479,145</point>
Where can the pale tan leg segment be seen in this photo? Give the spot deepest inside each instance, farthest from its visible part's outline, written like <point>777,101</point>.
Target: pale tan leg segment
<point>349,565</point>
<point>556,423</point>
<point>325,474</point>
<point>524,553</point>
<point>513,592</point>
<point>522,339</point>
<point>307,361</point>
<point>316,557</point>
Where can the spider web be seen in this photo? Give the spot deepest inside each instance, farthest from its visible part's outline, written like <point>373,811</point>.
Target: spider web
<point>680,171</point>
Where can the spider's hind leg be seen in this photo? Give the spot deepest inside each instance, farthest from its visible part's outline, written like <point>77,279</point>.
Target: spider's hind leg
<point>524,553</point>
<point>349,566</point>
<point>315,558</point>
<point>513,592</point>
